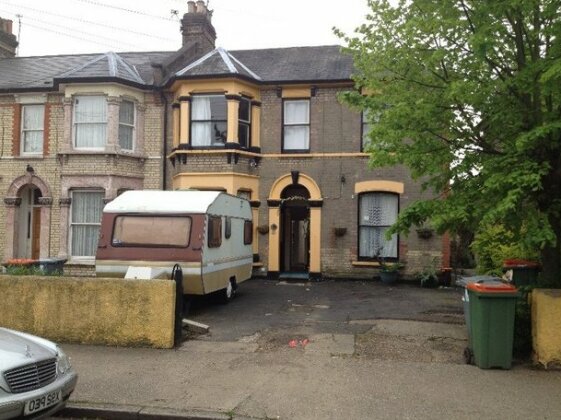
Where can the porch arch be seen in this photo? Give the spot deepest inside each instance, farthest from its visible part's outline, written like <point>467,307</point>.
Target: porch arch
<point>12,200</point>
<point>315,203</point>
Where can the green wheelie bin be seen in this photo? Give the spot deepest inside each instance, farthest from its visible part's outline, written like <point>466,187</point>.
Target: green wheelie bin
<point>491,311</point>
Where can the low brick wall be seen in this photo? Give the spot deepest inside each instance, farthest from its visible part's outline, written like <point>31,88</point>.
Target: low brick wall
<point>546,325</point>
<point>112,312</point>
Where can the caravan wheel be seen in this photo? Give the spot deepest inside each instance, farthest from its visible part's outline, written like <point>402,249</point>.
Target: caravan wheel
<point>227,294</point>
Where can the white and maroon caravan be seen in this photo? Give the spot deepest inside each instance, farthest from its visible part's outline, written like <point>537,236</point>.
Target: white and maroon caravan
<point>208,233</point>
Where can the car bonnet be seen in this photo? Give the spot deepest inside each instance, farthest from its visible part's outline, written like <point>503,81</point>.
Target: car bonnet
<point>16,350</point>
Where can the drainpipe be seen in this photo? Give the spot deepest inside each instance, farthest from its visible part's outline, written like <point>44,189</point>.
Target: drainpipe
<point>165,164</point>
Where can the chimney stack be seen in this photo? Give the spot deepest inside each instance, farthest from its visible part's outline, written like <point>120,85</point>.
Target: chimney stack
<point>8,41</point>
<point>196,26</point>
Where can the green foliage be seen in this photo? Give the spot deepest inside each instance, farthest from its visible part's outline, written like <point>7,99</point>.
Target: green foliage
<point>29,270</point>
<point>493,244</point>
<point>467,95</point>
<point>428,277</point>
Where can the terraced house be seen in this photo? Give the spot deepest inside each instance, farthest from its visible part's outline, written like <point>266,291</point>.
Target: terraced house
<point>267,125</point>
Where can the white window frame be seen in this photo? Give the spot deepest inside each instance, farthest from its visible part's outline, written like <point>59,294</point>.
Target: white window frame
<point>71,223</point>
<point>303,123</point>
<point>25,130</point>
<point>74,123</point>
<point>133,125</point>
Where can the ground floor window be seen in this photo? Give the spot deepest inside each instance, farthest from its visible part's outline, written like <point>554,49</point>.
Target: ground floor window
<point>377,212</point>
<point>87,207</point>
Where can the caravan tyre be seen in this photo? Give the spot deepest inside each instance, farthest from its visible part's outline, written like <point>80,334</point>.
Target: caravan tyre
<point>227,294</point>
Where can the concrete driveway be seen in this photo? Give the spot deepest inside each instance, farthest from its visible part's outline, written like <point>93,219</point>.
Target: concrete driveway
<point>360,318</point>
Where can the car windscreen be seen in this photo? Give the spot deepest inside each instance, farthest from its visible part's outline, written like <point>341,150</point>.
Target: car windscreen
<point>148,230</point>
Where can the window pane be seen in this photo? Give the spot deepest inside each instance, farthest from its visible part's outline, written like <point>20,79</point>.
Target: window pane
<point>126,113</point>
<point>373,241</point>
<point>90,135</point>
<point>247,232</point>
<point>90,109</point>
<point>378,209</point>
<point>243,135</point>
<point>125,136</point>
<point>84,240</point>
<point>296,138</point>
<point>244,194</point>
<point>296,112</point>
<point>33,141</point>
<point>244,113</point>
<point>87,207</point>
<point>214,231</point>
<point>33,117</point>
<point>212,107</point>
<point>168,231</point>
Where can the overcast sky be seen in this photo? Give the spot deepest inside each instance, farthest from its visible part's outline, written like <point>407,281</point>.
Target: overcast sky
<point>87,26</point>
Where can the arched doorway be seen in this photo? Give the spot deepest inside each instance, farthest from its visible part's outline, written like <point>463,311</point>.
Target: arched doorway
<point>295,203</point>
<point>295,230</point>
<point>28,243</point>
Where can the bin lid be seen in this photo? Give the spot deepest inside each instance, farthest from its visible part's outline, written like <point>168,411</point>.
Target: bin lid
<point>464,281</point>
<point>492,287</point>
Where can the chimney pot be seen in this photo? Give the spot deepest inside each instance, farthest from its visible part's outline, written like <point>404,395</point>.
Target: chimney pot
<point>201,8</point>
<point>191,8</point>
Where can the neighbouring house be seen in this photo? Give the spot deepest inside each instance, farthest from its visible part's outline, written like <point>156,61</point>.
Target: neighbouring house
<point>267,125</point>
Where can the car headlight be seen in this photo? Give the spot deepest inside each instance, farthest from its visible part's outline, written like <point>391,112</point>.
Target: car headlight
<point>63,361</point>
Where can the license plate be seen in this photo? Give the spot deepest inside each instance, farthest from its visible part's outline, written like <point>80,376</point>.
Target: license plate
<point>42,402</point>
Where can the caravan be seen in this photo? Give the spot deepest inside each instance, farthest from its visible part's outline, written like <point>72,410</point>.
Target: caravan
<point>207,233</point>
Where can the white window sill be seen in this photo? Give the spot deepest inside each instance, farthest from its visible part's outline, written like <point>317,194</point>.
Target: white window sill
<point>81,261</point>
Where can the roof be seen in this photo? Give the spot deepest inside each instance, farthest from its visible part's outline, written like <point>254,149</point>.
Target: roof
<point>162,202</point>
<point>297,64</point>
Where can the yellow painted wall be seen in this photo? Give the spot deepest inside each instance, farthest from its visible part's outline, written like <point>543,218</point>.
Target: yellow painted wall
<point>227,86</point>
<point>546,326</point>
<point>296,92</point>
<point>389,186</point>
<point>231,181</point>
<point>113,312</point>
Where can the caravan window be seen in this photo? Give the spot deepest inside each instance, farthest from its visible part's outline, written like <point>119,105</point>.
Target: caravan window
<point>158,231</point>
<point>214,231</point>
<point>247,232</point>
<point>228,227</point>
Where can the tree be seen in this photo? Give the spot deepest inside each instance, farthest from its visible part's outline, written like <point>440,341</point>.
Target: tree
<point>467,94</point>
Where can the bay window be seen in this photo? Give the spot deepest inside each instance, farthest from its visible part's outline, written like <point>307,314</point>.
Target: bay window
<point>90,122</point>
<point>126,125</point>
<point>377,212</point>
<point>32,127</point>
<point>296,127</point>
<point>85,222</point>
<point>208,120</point>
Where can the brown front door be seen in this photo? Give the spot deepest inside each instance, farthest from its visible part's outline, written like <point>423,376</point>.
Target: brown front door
<point>36,233</point>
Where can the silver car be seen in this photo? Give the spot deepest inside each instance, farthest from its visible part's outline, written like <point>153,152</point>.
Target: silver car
<point>36,377</point>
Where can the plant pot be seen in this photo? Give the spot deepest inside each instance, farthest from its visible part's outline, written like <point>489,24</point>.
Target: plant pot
<point>389,277</point>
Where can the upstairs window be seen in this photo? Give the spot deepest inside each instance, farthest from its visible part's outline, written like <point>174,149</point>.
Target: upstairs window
<point>32,126</point>
<point>90,122</point>
<point>244,123</point>
<point>126,125</point>
<point>208,121</point>
<point>378,211</point>
<point>296,128</point>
